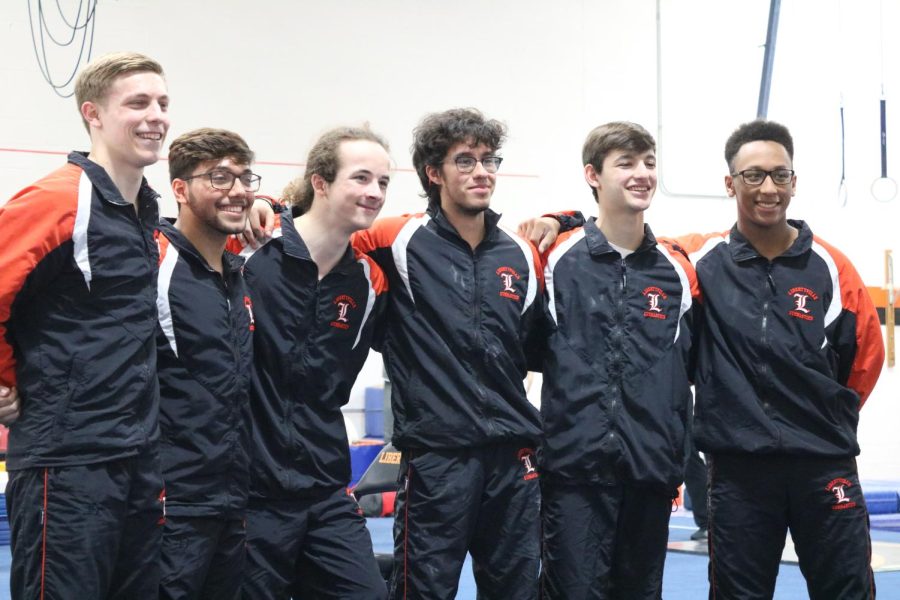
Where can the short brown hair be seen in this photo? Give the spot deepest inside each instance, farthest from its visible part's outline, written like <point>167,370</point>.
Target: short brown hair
<point>323,160</point>
<point>616,135</point>
<point>200,145</point>
<point>93,83</point>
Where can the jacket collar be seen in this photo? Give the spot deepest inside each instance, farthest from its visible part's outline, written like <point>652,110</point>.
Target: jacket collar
<point>741,249</point>
<point>599,245</point>
<point>147,197</point>
<point>230,262</point>
<point>491,220</point>
<point>294,245</point>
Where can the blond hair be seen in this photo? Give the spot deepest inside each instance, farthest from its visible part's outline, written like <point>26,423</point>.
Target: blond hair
<point>93,83</point>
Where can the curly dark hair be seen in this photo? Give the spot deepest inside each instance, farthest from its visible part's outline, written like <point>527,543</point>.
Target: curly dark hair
<point>759,130</point>
<point>438,132</point>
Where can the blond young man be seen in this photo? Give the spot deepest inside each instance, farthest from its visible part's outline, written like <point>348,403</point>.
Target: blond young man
<point>78,314</point>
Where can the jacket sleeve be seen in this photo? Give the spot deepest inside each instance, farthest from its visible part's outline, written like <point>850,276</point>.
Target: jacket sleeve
<point>693,315</point>
<point>379,285</point>
<point>691,243</point>
<point>376,240</point>
<point>866,358</point>
<point>33,223</point>
<point>568,219</point>
<point>535,327</point>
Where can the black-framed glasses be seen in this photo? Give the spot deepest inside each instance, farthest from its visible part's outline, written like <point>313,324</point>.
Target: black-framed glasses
<point>222,179</point>
<point>466,164</point>
<point>757,176</point>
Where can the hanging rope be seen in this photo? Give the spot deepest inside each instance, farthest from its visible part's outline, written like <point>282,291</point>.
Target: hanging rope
<point>83,24</point>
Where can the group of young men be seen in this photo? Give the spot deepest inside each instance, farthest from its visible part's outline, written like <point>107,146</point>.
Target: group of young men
<point>175,396</point>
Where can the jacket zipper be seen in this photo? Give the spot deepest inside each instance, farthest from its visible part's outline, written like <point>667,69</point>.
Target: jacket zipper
<point>769,291</point>
<point>479,341</point>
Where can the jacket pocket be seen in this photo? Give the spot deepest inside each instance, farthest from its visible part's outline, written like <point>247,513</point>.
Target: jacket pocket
<point>62,419</point>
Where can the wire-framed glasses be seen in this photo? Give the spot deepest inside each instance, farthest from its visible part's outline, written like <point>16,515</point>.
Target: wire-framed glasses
<point>466,164</point>
<point>224,180</point>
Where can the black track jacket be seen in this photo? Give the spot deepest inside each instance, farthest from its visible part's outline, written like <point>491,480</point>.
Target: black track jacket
<point>205,354</point>
<point>311,338</point>
<point>789,348</point>
<point>456,329</point>
<point>616,399</point>
<point>78,318</point>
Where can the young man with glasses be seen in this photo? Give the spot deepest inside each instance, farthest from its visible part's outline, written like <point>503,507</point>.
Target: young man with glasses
<point>78,314</point>
<point>464,293</point>
<point>790,348</point>
<point>616,399</point>
<point>205,354</point>
<point>318,303</point>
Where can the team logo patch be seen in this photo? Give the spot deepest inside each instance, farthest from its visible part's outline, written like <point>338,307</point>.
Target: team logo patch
<point>838,487</point>
<point>655,297</point>
<point>508,277</point>
<point>802,298</point>
<point>526,456</point>
<point>344,304</point>
<point>249,306</point>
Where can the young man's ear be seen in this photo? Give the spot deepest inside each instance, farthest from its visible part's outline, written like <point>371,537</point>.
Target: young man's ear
<point>179,190</point>
<point>729,186</point>
<point>90,113</point>
<point>319,185</point>
<point>592,176</point>
<point>434,174</point>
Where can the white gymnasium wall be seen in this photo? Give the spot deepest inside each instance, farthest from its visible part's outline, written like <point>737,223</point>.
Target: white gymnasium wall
<point>280,72</point>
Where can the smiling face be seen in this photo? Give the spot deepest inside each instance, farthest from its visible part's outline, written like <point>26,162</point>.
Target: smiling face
<point>626,182</point>
<point>761,207</point>
<point>128,126</point>
<point>465,194</point>
<point>217,211</point>
<point>355,197</point>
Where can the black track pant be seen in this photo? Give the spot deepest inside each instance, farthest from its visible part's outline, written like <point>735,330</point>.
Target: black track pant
<point>202,557</point>
<point>754,500</point>
<point>88,531</point>
<point>697,483</point>
<point>484,501</point>
<point>310,548</point>
<point>604,541</point>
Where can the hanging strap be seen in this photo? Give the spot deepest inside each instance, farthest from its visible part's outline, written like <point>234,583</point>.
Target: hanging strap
<point>884,189</point>
<point>883,137</point>
<point>842,188</point>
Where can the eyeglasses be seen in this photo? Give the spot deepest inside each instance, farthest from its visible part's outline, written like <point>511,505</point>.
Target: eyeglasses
<point>757,176</point>
<point>466,164</point>
<point>224,180</point>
